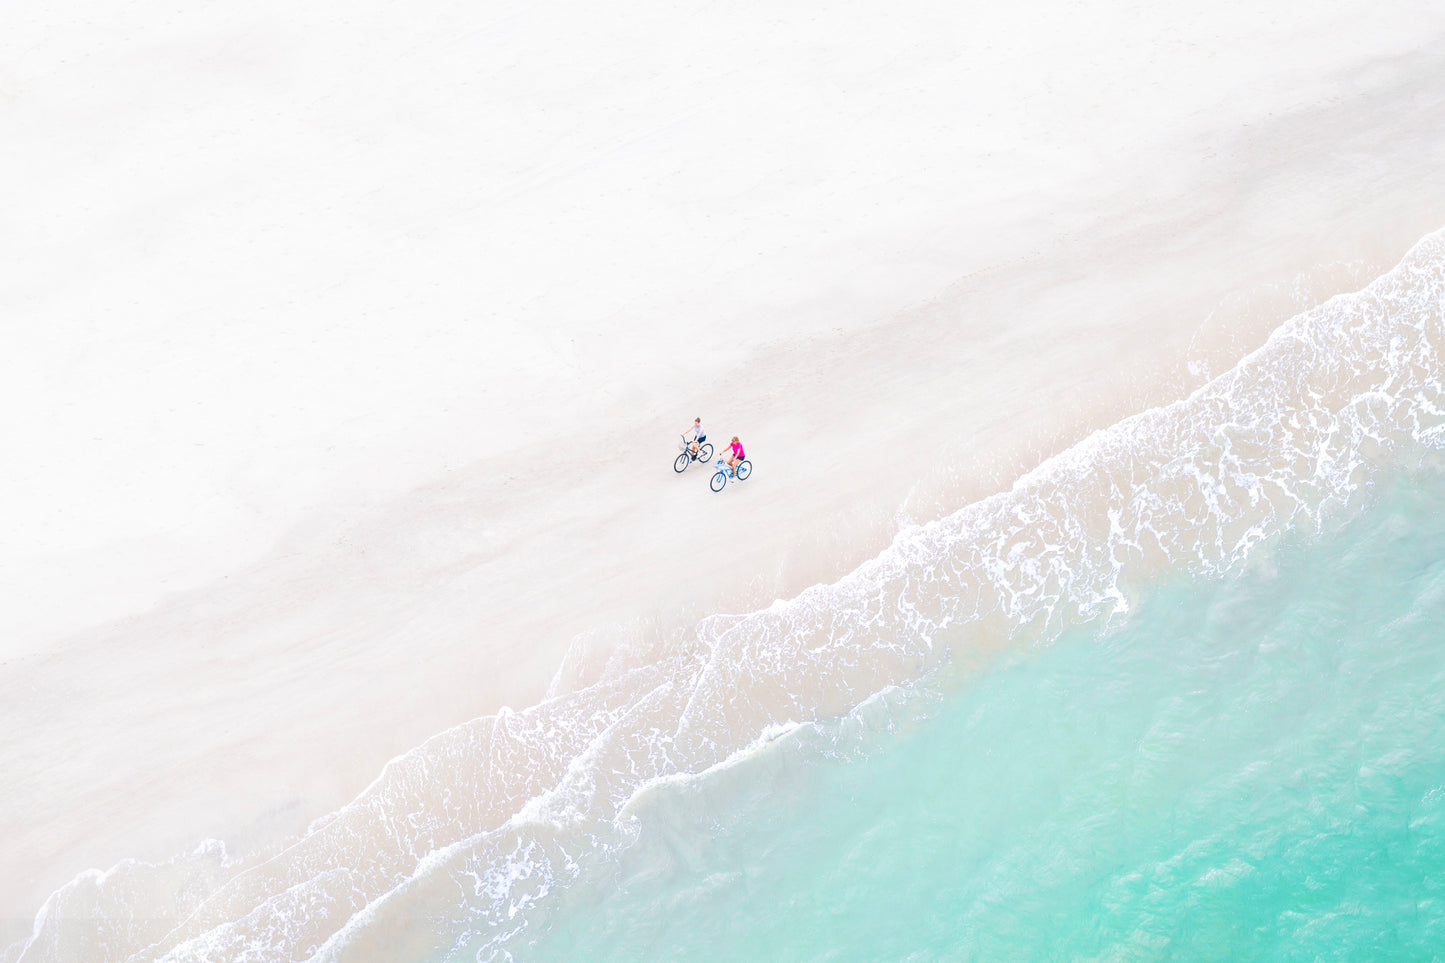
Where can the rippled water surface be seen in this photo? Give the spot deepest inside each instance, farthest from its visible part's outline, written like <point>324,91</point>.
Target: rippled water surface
<point>1249,766</point>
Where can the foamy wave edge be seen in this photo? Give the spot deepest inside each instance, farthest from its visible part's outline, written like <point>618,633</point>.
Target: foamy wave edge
<point>455,847</point>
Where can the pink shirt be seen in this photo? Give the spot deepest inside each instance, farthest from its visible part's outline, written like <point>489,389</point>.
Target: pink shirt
<point>737,450</point>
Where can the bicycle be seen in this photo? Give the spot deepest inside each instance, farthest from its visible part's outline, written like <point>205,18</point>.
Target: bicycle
<point>688,456</point>
<point>741,473</point>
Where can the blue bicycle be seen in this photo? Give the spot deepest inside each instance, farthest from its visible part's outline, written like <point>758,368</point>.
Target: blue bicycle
<point>743,470</point>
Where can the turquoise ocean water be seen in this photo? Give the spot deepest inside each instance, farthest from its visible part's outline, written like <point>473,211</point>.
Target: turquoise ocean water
<point>1249,767</point>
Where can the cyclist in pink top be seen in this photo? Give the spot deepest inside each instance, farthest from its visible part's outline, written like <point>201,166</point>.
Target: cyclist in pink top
<point>737,452</point>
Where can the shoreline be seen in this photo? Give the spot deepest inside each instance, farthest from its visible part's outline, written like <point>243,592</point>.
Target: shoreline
<point>942,596</point>
<point>247,708</point>
<point>419,635</point>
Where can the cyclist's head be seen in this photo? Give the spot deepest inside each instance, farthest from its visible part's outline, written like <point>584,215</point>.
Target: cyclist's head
<point>735,439</point>
<point>697,421</point>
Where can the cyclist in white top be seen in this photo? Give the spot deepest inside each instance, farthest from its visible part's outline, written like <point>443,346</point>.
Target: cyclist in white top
<point>694,436</point>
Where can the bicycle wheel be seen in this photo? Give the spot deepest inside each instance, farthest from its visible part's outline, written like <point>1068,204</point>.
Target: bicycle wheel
<point>744,469</point>
<point>704,454</point>
<point>680,464</point>
<point>718,481</point>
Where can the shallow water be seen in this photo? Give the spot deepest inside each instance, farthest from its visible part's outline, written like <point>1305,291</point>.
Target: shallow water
<point>1251,766</point>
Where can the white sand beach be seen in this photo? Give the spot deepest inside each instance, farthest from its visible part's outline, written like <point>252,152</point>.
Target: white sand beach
<point>348,348</point>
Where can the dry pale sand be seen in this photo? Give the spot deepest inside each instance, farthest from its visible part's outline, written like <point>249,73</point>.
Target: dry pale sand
<point>246,708</point>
